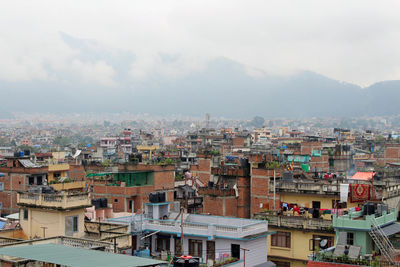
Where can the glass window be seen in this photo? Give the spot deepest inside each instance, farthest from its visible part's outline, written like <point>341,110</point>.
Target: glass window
<point>350,238</point>
<point>195,247</point>
<point>280,239</point>
<point>25,214</point>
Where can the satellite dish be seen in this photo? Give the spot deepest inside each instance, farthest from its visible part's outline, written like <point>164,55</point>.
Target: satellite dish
<point>323,243</point>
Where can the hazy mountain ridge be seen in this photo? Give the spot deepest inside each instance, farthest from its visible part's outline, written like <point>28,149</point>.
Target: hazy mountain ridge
<point>223,88</point>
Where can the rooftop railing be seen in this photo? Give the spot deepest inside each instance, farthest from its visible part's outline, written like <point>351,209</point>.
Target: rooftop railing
<point>205,229</point>
<point>56,201</point>
<point>298,222</point>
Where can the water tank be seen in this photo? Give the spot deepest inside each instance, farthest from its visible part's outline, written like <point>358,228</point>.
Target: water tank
<point>103,202</point>
<point>369,208</point>
<point>96,203</point>
<point>161,197</point>
<point>153,197</point>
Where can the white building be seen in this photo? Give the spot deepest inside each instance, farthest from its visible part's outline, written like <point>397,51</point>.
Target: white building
<point>211,238</point>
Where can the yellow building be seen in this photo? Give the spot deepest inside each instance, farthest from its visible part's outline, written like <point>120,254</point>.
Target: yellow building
<point>57,171</point>
<point>292,243</point>
<point>147,151</point>
<point>48,215</point>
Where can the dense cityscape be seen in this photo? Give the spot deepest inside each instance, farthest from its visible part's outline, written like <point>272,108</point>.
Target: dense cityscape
<point>208,191</point>
<point>225,133</point>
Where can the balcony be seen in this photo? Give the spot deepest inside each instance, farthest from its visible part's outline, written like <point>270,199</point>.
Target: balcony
<point>75,185</point>
<point>306,187</point>
<point>54,201</point>
<point>297,222</point>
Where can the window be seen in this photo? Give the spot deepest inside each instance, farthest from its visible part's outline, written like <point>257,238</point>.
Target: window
<point>178,247</point>
<point>350,238</point>
<point>115,200</point>
<point>280,239</point>
<point>39,180</point>
<point>75,224</point>
<point>163,243</point>
<point>57,175</point>
<point>316,204</point>
<point>31,180</point>
<point>1,186</point>
<point>195,248</point>
<point>130,205</point>
<point>235,251</point>
<point>71,225</point>
<point>25,214</point>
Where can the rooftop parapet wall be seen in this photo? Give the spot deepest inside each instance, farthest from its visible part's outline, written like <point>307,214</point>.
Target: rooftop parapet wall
<point>355,220</point>
<point>207,229</point>
<point>53,201</point>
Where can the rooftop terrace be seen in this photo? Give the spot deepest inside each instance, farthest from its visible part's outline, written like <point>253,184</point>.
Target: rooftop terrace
<point>59,201</point>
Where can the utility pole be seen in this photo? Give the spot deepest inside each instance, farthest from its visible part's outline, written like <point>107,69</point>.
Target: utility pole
<point>244,256</point>
<point>274,189</point>
<point>182,243</point>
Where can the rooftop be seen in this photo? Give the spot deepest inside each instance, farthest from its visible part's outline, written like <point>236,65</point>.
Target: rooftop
<point>59,201</point>
<point>74,257</point>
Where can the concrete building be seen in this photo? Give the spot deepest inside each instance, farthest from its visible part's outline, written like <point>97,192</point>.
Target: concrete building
<point>211,238</point>
<point>49,214</point>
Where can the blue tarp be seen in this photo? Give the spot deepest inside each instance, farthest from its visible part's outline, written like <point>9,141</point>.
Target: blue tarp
<point>2,224</point>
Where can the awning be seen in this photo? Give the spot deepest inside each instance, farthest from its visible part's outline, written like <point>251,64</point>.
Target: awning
<point>391,229</point>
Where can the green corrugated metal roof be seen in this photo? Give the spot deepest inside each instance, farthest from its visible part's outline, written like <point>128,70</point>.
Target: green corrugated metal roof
<point>75,257</point>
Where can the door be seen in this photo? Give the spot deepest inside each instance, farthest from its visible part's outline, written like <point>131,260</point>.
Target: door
<point>235,251</point>
<point>211,251</point>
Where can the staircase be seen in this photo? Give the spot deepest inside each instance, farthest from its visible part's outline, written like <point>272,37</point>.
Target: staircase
<point>383,243</point>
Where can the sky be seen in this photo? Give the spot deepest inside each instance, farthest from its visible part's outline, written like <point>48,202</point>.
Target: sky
<point>110,43</point>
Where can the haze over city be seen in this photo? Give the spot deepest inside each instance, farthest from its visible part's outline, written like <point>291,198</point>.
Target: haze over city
<point>200,133</point>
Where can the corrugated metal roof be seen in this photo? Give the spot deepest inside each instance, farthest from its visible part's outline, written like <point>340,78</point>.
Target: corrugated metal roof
<point>391,229</point>
<point>75,257</point>
<point>27,163</point>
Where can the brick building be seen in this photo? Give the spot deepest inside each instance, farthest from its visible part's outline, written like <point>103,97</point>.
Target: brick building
<point>20,173</point>
<point>132,184</point>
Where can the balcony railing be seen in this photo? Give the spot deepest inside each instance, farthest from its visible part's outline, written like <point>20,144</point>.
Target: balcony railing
<point>297,222</point>
<point>306,187</point>
<point>205,229</point>
<point>55,201</point>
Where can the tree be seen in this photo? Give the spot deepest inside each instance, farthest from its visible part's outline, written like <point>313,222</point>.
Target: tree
<point>380,138</point>
<point>257,122</point>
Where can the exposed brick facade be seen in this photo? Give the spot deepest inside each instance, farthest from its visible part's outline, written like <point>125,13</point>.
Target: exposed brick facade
<point>121,197</point>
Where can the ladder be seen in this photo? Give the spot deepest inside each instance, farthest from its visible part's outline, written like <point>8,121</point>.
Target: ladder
<point>382,242</point>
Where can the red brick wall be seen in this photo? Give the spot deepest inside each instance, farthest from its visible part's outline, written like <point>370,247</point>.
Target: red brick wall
<point>306,147</point>
<point>76,172</point>
<point>202,170</point>
<point>164,177</point>
<point>238,142</point>
<point>392,153</point>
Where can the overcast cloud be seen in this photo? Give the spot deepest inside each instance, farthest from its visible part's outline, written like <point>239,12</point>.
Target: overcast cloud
<point>95,41</point>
